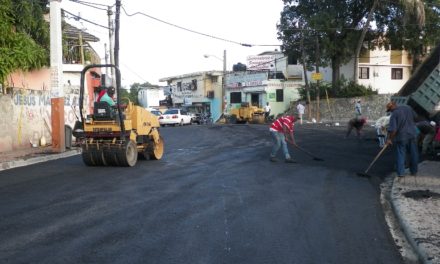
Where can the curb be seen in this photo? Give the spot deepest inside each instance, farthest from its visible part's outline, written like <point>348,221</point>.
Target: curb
<point>419,250</point>
<point>25,162</point>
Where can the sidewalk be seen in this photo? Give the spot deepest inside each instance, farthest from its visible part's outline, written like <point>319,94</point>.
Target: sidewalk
<point>415,199</point>
<point>28,156</point>
<point>416,203</point>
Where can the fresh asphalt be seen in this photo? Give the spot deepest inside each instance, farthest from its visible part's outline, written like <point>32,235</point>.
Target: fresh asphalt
<point>214,198</point>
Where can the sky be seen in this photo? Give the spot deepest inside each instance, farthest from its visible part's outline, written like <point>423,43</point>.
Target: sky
<point>150,50</point>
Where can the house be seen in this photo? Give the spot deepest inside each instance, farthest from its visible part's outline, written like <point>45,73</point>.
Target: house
<point>198,92</point>
<point>385,71</point>
<point>150,97</point>
<point>268,78</point>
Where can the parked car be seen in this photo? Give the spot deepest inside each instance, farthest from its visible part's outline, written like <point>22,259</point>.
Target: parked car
<point>175,117</point>
<point>154,111</point>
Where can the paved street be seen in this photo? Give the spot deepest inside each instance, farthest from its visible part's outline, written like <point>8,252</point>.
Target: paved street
<point>214,198</point>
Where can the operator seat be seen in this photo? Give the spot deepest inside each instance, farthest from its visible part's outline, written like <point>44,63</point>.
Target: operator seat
<point>102,111</point>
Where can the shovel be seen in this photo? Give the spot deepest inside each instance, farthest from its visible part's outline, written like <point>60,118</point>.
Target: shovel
<point>305,151</point>
<point>365,173</point>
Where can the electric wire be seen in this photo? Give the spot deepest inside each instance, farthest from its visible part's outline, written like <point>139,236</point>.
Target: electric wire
<point>194,31</point>
<point>83,19</point>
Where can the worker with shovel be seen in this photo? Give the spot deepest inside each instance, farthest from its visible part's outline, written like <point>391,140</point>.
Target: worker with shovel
<point>280,129</point>
<point>402,133</point>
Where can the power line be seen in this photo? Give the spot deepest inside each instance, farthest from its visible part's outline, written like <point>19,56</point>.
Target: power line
<point>193,31</point>
<point>83,19</point>
<point>90,4</point>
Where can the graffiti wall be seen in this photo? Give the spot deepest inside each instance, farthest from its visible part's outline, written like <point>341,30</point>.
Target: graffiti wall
<point>26,117</point>
<point>25,112</point>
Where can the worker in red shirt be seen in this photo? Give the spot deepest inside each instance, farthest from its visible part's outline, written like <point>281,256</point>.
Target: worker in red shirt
<point>282,131</point>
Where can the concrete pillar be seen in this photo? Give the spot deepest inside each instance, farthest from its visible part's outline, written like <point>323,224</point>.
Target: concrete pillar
<point>57,89</point>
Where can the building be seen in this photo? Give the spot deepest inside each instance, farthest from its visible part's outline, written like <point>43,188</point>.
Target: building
<point>268,78</point>
<point>385,71</point>
<point>150,97</point>
<point>198,92</point>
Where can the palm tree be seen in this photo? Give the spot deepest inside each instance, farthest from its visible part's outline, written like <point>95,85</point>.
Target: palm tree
<point>411,7</point>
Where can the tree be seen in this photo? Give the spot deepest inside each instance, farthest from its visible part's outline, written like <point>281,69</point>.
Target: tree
<point>411,8</point>
<point>24,36</point>
<point>333,23</point>
<point>414,27</point>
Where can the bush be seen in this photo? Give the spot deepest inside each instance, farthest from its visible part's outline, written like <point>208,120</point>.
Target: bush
<point>345,89</point>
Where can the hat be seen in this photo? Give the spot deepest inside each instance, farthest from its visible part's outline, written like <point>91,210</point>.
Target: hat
<point>432,123</point>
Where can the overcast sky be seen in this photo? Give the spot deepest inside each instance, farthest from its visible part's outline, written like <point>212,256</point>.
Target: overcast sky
<point>151,50</point>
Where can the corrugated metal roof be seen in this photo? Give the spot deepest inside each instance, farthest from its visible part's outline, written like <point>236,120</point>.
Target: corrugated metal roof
<point>72,32</point>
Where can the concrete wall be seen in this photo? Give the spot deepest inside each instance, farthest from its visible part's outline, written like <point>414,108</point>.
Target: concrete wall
<point>342,109</point>
<point>25,111</point>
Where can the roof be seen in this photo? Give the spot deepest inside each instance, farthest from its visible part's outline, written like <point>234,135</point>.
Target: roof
<point>189,75</point>
<point>72,32</point>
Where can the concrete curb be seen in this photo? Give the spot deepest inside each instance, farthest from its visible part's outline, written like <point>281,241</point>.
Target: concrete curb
<point>407,230</point>
<point>33,160</point>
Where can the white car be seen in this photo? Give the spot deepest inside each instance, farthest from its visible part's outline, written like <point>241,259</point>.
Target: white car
<point>175,117</point>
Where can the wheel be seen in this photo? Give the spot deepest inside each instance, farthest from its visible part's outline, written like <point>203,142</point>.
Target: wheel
<point>158,150</point>
<point>87,157</point>
<point>111,157</point>
<point>127,156</point>
<point>98,157</point>
<point>258,119</point>
<point>233,119</point>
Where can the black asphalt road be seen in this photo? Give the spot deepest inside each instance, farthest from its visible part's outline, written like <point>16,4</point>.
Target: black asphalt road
<point>214,198</point>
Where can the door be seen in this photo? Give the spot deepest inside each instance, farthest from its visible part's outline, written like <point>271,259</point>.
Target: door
<point>255,99</point>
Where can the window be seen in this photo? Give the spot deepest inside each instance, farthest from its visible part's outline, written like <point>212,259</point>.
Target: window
<point>179,86</point>
<point>235,97</point>
<point>194,84</point>
<point>364,73</point>
<point>396,73</point>
<point>280,95</point>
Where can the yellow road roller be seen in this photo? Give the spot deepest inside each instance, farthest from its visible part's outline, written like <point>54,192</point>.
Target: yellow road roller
<point>115,135</point>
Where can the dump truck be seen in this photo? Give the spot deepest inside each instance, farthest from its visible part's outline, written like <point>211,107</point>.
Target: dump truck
<point>116,135</point>
<point>422,90</point>
<point>246,114</point>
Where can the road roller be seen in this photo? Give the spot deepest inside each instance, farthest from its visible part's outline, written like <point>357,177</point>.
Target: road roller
<point>115,135</point>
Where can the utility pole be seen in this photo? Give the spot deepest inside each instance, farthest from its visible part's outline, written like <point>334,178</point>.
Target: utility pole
<point>306,81</point>
<point>318,58</point>
<point>224,83</point>
<point>110,41</point>
<point>56,78</point>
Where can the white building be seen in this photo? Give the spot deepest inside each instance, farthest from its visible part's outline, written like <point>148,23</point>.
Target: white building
<point>386,71</point>
<point>199,92</point>
<point>149,97</point>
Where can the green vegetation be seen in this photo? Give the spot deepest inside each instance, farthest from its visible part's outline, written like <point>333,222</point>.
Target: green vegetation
<point>345,89</point>
<point>331,32</point>
<point>24,36</point>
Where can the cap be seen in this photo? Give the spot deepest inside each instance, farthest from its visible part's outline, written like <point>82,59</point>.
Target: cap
<point>432,123</point>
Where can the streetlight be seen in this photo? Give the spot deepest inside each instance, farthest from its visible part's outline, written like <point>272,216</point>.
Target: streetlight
<point>223,77</point>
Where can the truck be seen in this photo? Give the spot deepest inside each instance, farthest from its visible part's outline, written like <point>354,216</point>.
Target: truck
<point>422,90</point>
